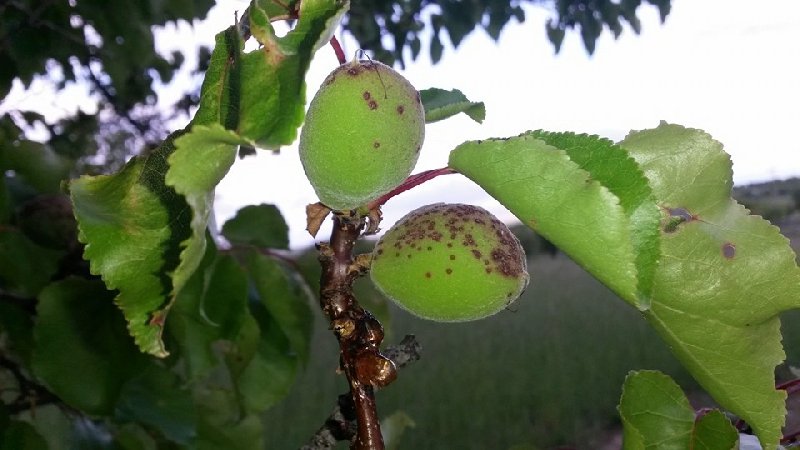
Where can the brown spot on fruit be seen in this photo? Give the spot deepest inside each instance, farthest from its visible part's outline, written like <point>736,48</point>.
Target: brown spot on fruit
<point>477,254</point>
<point>373,104</point>
<point>448,271</point>
<point>427,274</point>
<point>728,250</point>
<point>400,109</point>
<point>366,95</point>
<point>452,257</point>
<point>376,144</point>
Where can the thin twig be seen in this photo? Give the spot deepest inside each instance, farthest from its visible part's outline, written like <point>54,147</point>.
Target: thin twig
<point>26,304</point>
<point>31,394</point>
<point>340,425</point>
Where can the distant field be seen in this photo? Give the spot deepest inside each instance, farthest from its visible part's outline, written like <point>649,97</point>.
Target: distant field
<point>547,373</point>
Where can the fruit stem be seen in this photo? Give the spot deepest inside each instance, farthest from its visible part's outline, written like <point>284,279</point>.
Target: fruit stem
<point>337,48</point>
<point>358,332</point>
<point>410,182</point>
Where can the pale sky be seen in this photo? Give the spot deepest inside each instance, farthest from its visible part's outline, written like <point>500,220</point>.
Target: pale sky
<point>730,67</point>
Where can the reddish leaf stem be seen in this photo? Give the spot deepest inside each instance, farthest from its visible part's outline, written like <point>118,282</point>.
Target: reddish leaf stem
<point>337,48</point>
<point>410,182</point>
<point>791,387</point>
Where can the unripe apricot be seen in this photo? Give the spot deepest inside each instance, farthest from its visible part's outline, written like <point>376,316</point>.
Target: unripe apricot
<point>450,263</point>
<point>362,135</point>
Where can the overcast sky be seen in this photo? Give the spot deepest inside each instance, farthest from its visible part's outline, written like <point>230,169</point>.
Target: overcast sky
<point>730,67</point>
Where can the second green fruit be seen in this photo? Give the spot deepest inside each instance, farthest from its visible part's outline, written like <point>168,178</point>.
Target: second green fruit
<point>363,133</point>
<point>450,262</point>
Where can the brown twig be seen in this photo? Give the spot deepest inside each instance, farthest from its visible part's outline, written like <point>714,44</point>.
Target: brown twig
<point>358,332</point>
<point>31,394</point>
<point>341,423</point>
<point>24,303</point>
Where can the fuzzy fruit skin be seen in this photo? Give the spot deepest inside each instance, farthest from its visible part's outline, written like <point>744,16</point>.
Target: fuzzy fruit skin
<point>450,263</point>
<point>363,133</point>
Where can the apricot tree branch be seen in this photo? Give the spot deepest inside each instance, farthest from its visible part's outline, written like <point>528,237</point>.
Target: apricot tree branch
<point>341,423</point>
<point>358,332</point>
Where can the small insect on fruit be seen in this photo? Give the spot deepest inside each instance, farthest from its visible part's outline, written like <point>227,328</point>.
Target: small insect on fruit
<point>363,133</point>
<point>450,263</point>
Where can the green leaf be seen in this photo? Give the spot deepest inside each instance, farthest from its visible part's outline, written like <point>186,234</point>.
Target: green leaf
<point>276,8</point>
<point>35,163</point>
<point>709,277</point>
<point>220,95</point>
<point>276,71</point>
<point>610,165</point>
<point>272,358</point>
<point>656,414</point>
<point>286,298</point>
<point>201,159</point>
<point>221,423</point>
<point>258,225</point>
<point>83,353</point>
<point>134,226</point>
<point>156,398</point>
<point>20,435</point>
<point>25,267</point>
<point>276,343</point>
<point>16,325</point>
<point>440,104</point>
<point>566,201</point>
<point>713,431</point>
<point>723,276</point>
<point>6,205</point>
<point>212,307</point>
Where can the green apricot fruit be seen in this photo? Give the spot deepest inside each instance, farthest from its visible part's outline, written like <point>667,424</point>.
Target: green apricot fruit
<point>450,263</point>
<point>363,133</point>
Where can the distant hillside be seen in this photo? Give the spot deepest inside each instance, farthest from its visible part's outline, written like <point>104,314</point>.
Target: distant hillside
<point>777,201</point>
<point>773,200</point>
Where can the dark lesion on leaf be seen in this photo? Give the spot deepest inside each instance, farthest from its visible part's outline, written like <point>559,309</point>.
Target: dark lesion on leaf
<point>676,217</point>
<point>728,250</point>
